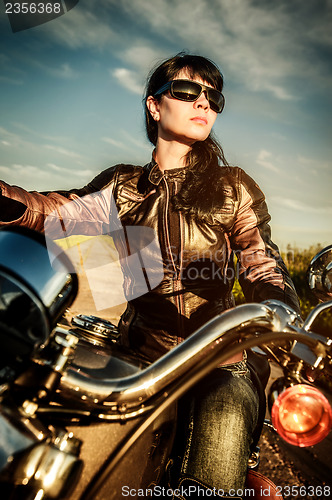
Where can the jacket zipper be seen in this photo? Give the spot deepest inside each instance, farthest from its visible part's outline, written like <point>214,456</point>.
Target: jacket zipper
<point>177,284</point>
<point>180,296</point>
<point>168,243</point>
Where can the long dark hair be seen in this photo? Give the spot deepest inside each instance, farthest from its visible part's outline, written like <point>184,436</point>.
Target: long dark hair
<point>200,193</point>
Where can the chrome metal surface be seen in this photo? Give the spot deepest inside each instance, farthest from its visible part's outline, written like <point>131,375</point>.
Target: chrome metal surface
<point>39,265</point>
<point>37,284</point>
<point>19,430</point>
<point>320,274</point>
<point>315,313</point>
<point>51,467</point>
<point>95,330</point>
<point>61,349</point>
<point>287,316</point>
<point>212,344</point>
<point>139,387</point>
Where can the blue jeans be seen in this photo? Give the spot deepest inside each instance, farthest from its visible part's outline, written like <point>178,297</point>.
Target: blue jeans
<point>223,415</point>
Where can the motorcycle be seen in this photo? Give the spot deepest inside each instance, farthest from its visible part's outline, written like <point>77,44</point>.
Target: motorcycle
<point>81,417</point>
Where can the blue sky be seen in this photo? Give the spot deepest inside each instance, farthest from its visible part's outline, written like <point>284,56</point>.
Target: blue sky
<point>71,96</point>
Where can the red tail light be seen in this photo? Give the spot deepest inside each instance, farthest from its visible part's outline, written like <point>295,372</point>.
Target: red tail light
<point>302,415</point>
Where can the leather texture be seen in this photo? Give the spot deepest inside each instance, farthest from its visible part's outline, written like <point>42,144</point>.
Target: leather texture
<point>264,488</point>
<point>197,255</point>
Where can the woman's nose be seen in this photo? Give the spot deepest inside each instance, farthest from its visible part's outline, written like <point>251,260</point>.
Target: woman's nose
<point>202,102</point>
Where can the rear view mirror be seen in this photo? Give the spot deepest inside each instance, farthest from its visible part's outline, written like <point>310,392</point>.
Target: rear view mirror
<point>320,274</point>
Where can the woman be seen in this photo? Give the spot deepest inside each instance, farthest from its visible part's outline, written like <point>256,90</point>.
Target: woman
<point>202,213</point>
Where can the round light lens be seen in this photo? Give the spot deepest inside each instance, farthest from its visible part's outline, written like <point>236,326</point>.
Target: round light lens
<point>302,415</point>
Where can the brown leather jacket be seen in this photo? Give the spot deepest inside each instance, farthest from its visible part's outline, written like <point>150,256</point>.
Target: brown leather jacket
<point>197,258</point>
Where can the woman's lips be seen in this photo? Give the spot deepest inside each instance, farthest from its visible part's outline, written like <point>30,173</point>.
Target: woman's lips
<point>199,119</point>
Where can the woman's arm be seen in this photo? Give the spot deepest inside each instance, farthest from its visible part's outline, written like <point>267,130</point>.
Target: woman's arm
<point>262,272</point>
<point>78,211</point>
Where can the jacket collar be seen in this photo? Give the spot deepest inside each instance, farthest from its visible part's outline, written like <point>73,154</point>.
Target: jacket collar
<point>156,174</point>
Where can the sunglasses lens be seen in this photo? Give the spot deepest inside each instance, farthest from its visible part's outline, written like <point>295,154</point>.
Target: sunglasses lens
<point>216,100</point>
<point>186,90</point>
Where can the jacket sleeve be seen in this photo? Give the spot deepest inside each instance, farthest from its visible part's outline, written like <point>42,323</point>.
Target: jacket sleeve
<point>85,211</point>
<point>261,271</point>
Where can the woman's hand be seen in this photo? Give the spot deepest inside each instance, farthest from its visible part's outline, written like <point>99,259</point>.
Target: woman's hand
<point>10,210</point>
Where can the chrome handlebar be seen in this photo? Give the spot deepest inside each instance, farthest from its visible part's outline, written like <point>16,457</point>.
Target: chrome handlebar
<point>214,343</point>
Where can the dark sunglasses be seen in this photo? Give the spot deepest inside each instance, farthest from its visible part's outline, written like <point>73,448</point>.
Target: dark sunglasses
<point>187,90</point>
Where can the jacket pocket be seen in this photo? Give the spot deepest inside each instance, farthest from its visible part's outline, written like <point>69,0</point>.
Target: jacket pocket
<point>127,194</point>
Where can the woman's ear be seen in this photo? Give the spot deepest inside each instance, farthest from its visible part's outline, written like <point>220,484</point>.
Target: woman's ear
<point>153,106</point>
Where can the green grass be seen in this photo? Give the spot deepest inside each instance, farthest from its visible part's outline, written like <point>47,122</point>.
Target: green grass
<point>297,262</point>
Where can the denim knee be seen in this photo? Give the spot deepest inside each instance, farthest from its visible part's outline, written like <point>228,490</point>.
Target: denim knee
<point>223,416</point>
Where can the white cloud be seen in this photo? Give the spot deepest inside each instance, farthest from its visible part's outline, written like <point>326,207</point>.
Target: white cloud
<point>11,81</point>
<point>128,79</point>
<point>142,56</point>
<point>9,72</point>
<point>6,133</point>
<point>129,140</point>
<point>82,173</point>
<point>34,177</point>
<point>299,206</point>
<point>69,171</point>
<point>278,91</point>
<point>264,161</point>
<point>16,141</point>
<point>136,142</point>
<point>115,143</point>
<point>82,29</point>
<point>313,164</point>
<point>259,43</point>
<point>33,132</point>
<point>64,71</point>
<point>28,171</point>
<point>63,151</point>
<point>4,170</point>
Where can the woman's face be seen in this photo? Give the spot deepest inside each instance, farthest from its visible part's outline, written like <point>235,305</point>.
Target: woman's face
<point>182,121</point>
